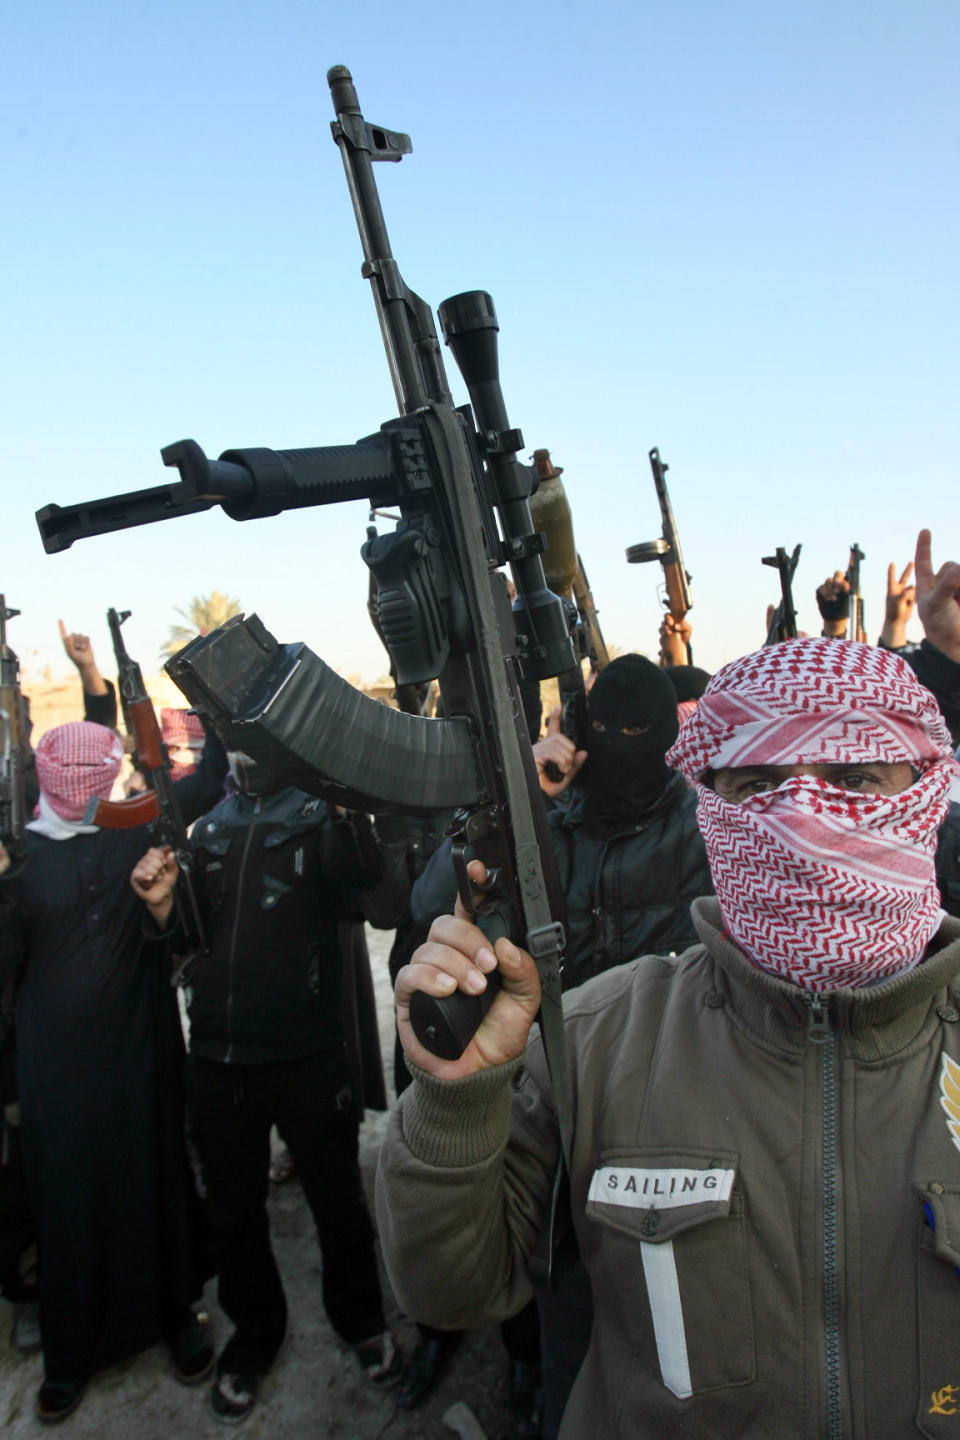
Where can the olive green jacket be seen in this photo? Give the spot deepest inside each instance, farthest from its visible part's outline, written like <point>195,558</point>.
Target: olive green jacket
<point>765,1189</point>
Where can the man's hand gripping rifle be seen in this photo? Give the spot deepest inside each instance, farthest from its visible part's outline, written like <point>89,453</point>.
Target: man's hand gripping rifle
<point>666,550</point>
<point>157,806</point>
<point>443,608</point>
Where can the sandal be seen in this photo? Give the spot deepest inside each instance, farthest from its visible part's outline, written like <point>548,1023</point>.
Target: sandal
<point>380,1359</point>
<point>233,1397</point>
<point>282,1167</point>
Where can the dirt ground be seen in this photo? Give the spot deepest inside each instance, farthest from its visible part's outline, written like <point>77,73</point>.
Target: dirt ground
<point>315,1389</point>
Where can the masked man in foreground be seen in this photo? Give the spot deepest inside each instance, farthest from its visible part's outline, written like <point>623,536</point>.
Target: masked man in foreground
<point>765,1179</point>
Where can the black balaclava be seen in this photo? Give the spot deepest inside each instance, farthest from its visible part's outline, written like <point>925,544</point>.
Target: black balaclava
<point>688,681</point>
<point>249,777</point>
<point>624,773</point>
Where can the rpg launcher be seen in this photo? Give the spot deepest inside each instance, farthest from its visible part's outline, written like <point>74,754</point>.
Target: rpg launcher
<point>562,564</point>
<point>550,510</point>
<point>157,807</point>
<point>783,621</point>
<point>443,608</point>
<point>14,747</point>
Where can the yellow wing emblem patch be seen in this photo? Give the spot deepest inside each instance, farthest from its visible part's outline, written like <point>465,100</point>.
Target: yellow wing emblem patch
<point>950,1096</point>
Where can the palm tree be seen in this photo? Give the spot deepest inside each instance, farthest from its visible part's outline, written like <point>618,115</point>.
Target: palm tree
<point>204,613</point>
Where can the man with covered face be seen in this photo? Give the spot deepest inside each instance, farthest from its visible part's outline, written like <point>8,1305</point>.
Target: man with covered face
<point>99,1058</point>
<point>765,1177</point>
<point>624,832</point>
<point>278,871</point>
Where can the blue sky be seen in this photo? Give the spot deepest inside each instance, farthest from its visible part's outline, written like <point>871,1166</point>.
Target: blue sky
<point>729,231</point>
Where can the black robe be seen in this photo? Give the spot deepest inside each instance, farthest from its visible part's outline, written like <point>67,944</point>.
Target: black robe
<point>99,1057</point>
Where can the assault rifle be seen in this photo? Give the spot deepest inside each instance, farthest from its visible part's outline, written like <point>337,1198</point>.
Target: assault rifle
<point>856,628</point>
<point>783,621</point>
<point>443,607</point>
<point>13,746</point>
<point>157,806</point>
<point>596,645</point>
<point>666,550</point>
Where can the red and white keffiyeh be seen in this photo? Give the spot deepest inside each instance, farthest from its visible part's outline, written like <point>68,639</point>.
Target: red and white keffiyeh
<point>184,736</point>
<point>823,886</point>
<point>74,763</point>
<point>181,729</point>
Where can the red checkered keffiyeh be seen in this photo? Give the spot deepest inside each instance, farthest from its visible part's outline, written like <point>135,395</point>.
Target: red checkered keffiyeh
<point>823,886</point>
<point>76,762</point>
<point>184,736</point>
<point>181,729</point>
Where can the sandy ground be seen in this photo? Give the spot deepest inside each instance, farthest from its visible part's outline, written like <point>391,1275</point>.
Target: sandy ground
<point>315,1388</point>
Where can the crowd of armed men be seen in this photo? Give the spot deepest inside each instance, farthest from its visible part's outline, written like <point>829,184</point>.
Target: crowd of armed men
<point>753,1230</point>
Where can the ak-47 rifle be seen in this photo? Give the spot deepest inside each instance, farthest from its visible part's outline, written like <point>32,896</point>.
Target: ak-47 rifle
<point>13,746</point>
<point>856,628</point>
<point>157,806</point>
<point>783,621</point>
<point>596,645</point>
<point>464,501</point>
<point>666,550</point>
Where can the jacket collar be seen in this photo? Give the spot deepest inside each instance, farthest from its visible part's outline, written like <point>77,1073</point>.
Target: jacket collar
<point>278,807</point>
<point>872,1024</point>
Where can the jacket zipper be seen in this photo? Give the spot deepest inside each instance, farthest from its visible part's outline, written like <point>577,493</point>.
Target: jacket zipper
<point>596,912</point>
<point>820,1033</point>
<point>236,927</point>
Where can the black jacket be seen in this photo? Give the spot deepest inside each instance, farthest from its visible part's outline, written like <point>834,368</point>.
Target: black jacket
<point>627,895</point>
<point>941,676</point>
<point>275,875</point>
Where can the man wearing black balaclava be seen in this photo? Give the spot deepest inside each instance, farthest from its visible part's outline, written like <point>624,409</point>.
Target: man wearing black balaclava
<point>633,722</point>
<point>631,857</point>
<point>625,833</point>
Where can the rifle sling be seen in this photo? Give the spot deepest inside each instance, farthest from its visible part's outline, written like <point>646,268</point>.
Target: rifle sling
<point>544,937</point>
